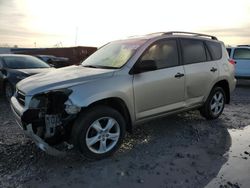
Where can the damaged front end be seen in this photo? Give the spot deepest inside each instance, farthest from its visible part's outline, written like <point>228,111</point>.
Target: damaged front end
<point>50,117</point>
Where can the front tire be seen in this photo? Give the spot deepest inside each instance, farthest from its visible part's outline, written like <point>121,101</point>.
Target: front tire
<point>8,91</point>
<point>98,132</point>
<point>214,104</point>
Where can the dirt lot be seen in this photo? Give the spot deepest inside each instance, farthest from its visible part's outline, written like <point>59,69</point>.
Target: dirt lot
<point>182,150</point>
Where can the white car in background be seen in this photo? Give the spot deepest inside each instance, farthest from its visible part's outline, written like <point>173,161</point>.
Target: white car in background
<point>241,55</point>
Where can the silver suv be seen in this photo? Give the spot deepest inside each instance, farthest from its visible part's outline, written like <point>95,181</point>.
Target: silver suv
<point>124,83</point>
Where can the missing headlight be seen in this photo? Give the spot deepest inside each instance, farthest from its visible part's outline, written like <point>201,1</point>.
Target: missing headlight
<point>51,100</point>
<point>50,116</point>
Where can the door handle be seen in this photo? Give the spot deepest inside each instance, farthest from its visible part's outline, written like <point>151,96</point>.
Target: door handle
<point>179,75</point>
<point>213,69</point>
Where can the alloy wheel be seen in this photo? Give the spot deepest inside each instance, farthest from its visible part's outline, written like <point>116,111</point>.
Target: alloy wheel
<point>102,135</point>
<point>217,103</point>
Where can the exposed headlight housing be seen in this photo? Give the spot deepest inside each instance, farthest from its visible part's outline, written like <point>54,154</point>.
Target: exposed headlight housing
<point>42,100</point>
<point>70,108</point>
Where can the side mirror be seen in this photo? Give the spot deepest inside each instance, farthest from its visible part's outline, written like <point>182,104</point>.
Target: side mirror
<point>144,66</point>
<point>3,71</point>
<point>49,61</point>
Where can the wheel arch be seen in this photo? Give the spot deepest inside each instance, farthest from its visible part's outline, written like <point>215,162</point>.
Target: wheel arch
<point>225,86</point>
<point>117,104</point>
<point>4,83</point>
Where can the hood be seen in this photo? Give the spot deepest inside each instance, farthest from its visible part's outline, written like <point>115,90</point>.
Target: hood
<point>15,75</point>
<point>61,78</point>
<point>34,71</point>
<point>29,72</point>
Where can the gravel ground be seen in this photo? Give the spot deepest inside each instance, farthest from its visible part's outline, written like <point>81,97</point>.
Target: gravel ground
<point>183,150</point>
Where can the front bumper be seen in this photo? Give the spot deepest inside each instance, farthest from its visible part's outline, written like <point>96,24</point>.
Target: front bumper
<point>18,111</point>
<point>41,144</point>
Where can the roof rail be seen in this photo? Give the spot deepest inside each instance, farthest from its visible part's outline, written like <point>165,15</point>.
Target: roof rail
<point>157,33</point>
<point>190,33</point>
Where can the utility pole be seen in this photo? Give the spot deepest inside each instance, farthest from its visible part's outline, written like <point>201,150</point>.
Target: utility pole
<point>76,36</point>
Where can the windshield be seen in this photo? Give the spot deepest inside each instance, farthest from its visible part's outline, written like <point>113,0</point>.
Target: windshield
<point>113,55</point>
<point>24,62</point>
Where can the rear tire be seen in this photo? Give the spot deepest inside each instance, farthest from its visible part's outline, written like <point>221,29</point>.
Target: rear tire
<point>98,132</point>
<point>214,104</point>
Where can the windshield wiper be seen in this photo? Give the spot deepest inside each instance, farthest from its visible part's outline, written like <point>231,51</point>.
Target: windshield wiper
<point>100,66</point>
<point>90,66</point>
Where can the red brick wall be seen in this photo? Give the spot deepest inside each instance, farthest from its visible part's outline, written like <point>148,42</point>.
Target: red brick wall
<point>75,54</point>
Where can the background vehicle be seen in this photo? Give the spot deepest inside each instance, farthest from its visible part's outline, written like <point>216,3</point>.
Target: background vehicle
<point>124,83</point>
<point>54,61</point>
<point>14,68</point>
<point>241,54</point>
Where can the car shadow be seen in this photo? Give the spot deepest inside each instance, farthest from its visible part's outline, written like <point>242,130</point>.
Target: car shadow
<point>183,150</point>
<point>243,83</point>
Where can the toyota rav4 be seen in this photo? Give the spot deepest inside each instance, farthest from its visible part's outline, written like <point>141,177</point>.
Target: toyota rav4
<point>124,83</point>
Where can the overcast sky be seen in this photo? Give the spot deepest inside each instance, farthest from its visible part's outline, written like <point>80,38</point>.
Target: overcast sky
<point>95,22</point>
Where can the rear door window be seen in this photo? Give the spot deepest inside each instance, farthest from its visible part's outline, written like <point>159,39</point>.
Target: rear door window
<point>215,49</point>
<point>209,58</point>
<point>193,51</point>
<point>241,53</point>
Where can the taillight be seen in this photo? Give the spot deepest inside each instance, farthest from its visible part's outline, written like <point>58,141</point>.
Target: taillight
<point>232,61</point>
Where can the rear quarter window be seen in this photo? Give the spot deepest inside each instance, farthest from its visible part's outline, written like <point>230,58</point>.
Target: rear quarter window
<point>215,49</point>
<point>241,53</point>
<point>193,51</point>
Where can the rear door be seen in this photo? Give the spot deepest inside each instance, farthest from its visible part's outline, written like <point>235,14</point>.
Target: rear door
<point>242,58</point>
<point>159,90</point>
<point>200,70</point>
